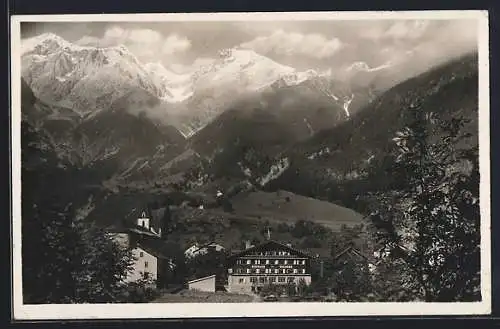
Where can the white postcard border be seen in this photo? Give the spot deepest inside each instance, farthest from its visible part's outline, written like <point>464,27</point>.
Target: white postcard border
<point>231,310</point>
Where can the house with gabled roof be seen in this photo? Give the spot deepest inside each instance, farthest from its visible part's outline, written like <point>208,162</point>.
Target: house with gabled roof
<point>202,249</point>
<point>144,241</point>
<point>350,253</point>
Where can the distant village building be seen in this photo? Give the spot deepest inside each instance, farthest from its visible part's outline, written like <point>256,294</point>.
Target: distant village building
<point>352,253</point>
<point>270,263</point>
<point>149,262</point>
<point>198,250</point>
<point>203,284</point>
<point>191,251</point>
<point>149,225</point>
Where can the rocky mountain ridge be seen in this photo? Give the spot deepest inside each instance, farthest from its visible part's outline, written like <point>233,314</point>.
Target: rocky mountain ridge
<point>90,79</point>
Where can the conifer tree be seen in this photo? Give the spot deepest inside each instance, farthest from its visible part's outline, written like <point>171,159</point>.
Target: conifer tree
<point>430,219</point>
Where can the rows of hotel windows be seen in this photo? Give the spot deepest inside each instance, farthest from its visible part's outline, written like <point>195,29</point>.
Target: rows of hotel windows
<point>270,261</point>
<point>270,271</point>
<point>271,279</point>
<point>273,253</point>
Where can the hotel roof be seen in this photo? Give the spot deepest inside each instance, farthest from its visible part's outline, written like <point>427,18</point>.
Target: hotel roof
<point>273,244</point>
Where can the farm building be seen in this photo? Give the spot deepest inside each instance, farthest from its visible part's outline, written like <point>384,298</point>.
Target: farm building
<point>203,284</point>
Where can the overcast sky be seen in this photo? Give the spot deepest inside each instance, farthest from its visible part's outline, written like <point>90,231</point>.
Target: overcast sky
<point>302,44</point>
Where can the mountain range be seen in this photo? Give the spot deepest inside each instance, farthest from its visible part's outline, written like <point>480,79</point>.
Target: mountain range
<point>124,130</point>
<point>89,80</point>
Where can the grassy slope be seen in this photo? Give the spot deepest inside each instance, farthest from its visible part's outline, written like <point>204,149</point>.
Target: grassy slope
<point>283,206</point>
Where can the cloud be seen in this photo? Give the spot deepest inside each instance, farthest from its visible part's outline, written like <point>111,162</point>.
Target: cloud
<point>407,30</point>
<point>402,30</point>
<point>145,36</point>
<point>420,43</point>
<point>146,44</point>
<point>114,32</point>
<point>175,44</point>
<point>117,34</point>
<point>414,48</point>
<point>89,41</point>
<point>292,43</point>
<point>196,65</point>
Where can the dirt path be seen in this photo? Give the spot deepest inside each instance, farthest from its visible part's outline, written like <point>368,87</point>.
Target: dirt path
<point>256,299</point>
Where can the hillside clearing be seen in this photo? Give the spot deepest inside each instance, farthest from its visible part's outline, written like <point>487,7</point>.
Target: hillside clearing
<point>284,206</point>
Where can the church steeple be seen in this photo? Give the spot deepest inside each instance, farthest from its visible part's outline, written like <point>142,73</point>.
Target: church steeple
<point>268,234</point>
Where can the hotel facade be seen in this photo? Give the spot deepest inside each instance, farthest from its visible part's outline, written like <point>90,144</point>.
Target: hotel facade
<point>270,263</point>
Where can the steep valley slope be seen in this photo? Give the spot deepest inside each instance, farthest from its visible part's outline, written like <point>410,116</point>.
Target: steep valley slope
<point>330,164</point>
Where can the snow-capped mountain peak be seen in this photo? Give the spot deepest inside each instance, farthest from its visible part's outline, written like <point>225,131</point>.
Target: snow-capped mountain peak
<point>176,87</point>
<point>241,68</point>
<point>160,70</point>
<point>364,67</point>
<point>44,43</point>
<point>358,66</point>
<point>48,44</point>
<point>91,79</point>
<point>83,78</point>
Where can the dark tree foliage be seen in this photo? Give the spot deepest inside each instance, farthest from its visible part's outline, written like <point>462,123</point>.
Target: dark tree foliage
<point>351,280</point>
<point>140,291</point>
<point>304,228</point>
<point>346,276</point>
<point>213,262</point>
<point>291,288</point>
<point>227,206</point>
<point>310,242</point>
<point>177,274</point>
<point>392,281</point>
<point>328,270</point>
<point>166,220</point>
<point>431,220</point>
<point>271,289</point>
<point>283,228</point>
<point>347,237</point>
<point>302,288</point>
<point>64,259</point>
<point>256,241</point>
